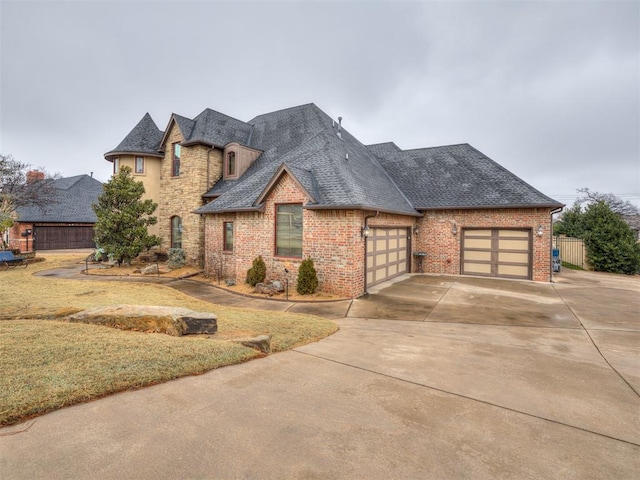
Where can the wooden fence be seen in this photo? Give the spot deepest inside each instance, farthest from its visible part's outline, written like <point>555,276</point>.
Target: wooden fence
<point>572,250</point>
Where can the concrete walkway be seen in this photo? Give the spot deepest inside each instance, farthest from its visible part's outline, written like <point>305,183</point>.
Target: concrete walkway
<point>428,377</point>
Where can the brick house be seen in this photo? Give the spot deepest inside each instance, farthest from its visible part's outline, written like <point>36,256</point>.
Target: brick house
<point>294,183</point>
<point>66,221</point>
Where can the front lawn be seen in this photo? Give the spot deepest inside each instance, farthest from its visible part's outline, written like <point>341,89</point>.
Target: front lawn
<point>48,364</point>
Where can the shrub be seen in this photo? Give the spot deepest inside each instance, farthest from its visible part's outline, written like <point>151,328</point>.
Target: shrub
<point>611,244</point>
<point>307,278</point>
<point>257,273</point>
<point>177,258</point>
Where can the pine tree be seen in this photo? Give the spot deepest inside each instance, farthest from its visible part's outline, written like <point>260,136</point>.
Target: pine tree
<point>611,244</point>
<point>257,273</point>
<point>307,278</point>
<point>123,218</point>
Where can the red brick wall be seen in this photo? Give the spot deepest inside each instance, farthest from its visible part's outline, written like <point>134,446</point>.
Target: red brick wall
<point>17,241</point>
<point>332,238</point>
<point>443,248</point>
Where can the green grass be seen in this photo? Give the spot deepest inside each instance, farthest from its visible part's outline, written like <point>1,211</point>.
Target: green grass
<point>571,266</point>
<point>49,364</point>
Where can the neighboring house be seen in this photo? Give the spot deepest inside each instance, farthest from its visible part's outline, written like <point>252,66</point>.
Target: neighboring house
<point>293,184</point>
<point>66,222</point>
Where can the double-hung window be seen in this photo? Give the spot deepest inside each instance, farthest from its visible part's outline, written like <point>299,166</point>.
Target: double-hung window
<point>289,230</point>
<point>139,165</point>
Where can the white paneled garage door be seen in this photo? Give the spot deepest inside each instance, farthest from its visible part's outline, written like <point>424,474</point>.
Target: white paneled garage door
<point>496,252</point>
<point>387,254</point>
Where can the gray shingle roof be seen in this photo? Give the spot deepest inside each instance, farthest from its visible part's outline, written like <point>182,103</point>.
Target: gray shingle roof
<point>72,203</point>
<point>216,128</point>
<point>143,138</point>
<point>343,171</point>
<point>457,176</point>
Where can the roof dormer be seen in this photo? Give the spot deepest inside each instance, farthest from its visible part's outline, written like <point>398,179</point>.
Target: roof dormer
<point>236,159</point>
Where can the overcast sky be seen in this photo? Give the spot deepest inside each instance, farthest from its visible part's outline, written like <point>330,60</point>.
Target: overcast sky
<point>550,90</point>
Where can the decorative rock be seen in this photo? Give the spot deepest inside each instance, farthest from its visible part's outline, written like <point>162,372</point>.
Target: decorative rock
<point>261,342</point>
<point>270,288</point>
<point>230,282</point>
<point>151,269</point>
<point>175,321</point>
<point>262,288</point>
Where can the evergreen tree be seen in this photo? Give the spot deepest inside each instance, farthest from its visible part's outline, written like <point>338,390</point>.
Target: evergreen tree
<point>611,244</point>
<point>123,218</point>
<point>257,273</point>
<point>307,278</point>
<point>571,223</point>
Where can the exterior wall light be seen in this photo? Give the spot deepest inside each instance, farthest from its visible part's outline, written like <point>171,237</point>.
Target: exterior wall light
<point>454,229</point>
<point>365,232</point>
<point>540,230</point>
<point>416,229</point>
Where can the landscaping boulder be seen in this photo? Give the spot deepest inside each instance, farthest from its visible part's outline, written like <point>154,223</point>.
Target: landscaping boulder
<point>175,321</point>
<point>270,288</point>
<point>261,342</point>
<point>151,269</point>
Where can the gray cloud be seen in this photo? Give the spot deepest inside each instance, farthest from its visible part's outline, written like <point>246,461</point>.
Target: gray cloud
<point>547,89</point>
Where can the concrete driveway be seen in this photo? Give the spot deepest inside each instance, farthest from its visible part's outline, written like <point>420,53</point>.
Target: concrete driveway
<point>428,377</point>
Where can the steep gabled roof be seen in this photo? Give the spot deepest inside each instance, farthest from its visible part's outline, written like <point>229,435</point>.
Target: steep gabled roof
<point>210,128</point>
<point>215,128</point>
<point>338,171</point>
<point>457,176</point>
<point>72,203</point>
<point>304,179</point>
<point>144,139</point>
<point>345,174</point>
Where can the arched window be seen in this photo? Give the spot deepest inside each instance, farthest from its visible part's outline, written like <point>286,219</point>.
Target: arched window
<point>176,232</point>
<point>231,164</point>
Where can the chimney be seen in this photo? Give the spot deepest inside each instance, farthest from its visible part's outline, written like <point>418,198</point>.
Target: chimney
<point>34,176</point>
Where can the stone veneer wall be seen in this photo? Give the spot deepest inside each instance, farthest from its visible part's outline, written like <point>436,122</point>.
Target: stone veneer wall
<point>181,195</point>
<point>443,248</point>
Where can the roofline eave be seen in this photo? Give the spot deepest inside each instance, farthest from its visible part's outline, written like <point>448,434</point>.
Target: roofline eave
<point>231,210</point>
<point>115,153</point>
<point>368,208</point>
<point>490,207</point>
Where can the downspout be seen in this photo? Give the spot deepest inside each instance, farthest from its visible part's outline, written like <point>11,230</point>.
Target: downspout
<point>366,218</point>
<point>551,213</point>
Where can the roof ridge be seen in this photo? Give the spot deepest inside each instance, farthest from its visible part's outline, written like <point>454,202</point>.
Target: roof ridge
<point>219,113</point>
<point>438,146</point>
<point>283,110</point>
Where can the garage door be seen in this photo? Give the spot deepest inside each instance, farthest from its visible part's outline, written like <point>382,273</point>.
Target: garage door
<point>497,253</point>
<point>387,254</point>
<point>57,238</point>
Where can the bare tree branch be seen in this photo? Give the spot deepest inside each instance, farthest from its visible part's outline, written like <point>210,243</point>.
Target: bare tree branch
<point>616,204</point>
<point>17,190</point>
